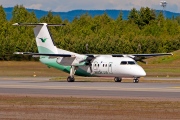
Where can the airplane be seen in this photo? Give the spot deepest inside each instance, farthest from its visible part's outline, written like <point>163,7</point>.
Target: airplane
<point>89,65</point>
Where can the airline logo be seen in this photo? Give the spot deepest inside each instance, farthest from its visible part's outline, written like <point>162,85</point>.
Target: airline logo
<point>43,39</point>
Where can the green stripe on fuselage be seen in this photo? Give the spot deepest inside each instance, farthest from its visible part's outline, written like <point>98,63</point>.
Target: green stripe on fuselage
<point>52,63</point>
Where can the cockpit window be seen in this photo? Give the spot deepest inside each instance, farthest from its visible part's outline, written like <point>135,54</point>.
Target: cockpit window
<point>128,63</point>
<point>123,62</point>
<point>131,62</point>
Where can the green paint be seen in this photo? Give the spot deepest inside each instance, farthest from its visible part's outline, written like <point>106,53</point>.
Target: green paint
<point>44,50</point>
<point>54,64</point>
<point>43,39</point>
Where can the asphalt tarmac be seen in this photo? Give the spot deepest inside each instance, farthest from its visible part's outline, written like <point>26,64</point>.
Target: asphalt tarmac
<point>42,86</point>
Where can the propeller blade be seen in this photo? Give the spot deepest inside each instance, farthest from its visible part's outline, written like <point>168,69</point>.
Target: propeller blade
<point>91,69</point>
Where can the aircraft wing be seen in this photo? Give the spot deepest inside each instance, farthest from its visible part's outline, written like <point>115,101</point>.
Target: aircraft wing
<point>81,59</point>
<point>136,57</point>
<point>151,55</point>
<point>144,56</point>
<point>131,55</point>
<point>90,57</point>
<point>43,54</point>
<point>140,57</point>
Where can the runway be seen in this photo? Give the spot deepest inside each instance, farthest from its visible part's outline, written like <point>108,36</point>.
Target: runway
<point>42,86</point>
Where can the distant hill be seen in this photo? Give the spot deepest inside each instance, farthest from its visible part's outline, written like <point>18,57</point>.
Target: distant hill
<point>70,15</point>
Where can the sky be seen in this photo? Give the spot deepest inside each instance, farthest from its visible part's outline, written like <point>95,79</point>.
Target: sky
<point>68,5</point>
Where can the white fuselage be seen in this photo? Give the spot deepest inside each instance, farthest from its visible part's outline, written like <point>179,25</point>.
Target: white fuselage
<point>116,67</point>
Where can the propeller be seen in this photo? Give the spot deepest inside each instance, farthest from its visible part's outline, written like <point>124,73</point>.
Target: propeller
<point>140,59</point>
<point>88,62</point>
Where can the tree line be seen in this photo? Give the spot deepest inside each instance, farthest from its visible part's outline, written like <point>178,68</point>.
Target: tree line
<point>144,31</point>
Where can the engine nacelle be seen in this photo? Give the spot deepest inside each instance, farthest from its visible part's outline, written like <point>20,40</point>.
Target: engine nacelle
<point>77,60</point>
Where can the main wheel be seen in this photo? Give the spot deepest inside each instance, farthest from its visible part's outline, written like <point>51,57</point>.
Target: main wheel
<point>70,79</point>
<point>117,79</point>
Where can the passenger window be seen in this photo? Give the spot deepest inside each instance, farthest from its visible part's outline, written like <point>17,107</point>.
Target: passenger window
<point>124,63</point>
<point>106,65</point>
<point>103,65</point>
<point>98,65</point>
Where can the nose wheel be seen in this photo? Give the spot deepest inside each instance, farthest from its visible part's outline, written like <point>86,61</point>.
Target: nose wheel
<point>136,80</point>
<point>117,79</point>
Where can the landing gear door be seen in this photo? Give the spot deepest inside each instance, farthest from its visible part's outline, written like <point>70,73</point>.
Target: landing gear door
<point>110,67</point>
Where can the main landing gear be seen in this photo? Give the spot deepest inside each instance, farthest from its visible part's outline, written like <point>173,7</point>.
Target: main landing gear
<point>72,72</point>
<point>70,79</point>
<point>117,79</point>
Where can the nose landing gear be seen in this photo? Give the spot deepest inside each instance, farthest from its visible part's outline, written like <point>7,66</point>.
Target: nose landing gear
<point>136,80</point>
<point>117,79</point>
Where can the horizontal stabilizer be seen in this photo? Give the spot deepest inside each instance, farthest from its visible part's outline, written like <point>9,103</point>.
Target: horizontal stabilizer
<point>36,24</point>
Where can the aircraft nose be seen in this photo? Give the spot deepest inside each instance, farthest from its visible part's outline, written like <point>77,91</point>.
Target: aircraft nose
<point>140,72</point>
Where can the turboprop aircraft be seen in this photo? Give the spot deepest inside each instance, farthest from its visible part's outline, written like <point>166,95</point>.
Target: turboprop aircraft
<point>100,65</point>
